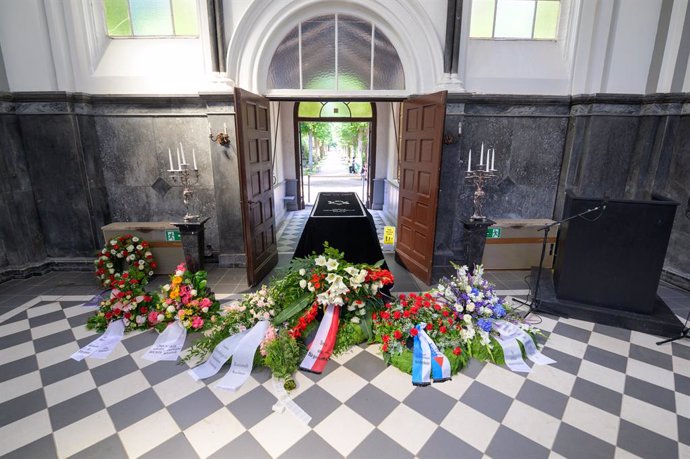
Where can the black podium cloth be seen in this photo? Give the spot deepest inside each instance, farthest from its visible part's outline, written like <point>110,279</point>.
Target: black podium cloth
<point>342,220</point>
<point>613,258</point>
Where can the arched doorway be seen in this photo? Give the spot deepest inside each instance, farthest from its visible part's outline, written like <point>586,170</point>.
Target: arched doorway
<point>335,145</point>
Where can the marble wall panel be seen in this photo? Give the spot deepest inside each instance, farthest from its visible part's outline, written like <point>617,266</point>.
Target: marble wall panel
<point>56,172</point>
<point>21,238</point>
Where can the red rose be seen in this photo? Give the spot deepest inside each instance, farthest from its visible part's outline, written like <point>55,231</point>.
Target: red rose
<point>406,314</point>
<point>457,351</point>
<point>117,311</point>
<point>442,329</point>
<point>397,334</point>
<point>147,298</point>
<point>128,315</point>
<point>445,313</point>
<point>396,315</point>
<point>385,338</point>
<point>430,326</point>
<point>374,316</point>
<point>108,315</point>
<point>384,348</point>
<point>385,315</point>
<point>154,265</point>
<point>414,332</point>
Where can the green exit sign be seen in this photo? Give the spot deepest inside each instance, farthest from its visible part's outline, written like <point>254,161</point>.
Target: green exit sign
<point>172,235</point>
<point>493,233</point>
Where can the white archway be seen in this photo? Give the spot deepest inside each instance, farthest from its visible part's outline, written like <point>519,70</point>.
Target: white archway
<point>266,22</point>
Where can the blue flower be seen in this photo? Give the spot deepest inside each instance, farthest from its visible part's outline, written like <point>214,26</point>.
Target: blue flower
<point>499,311</point>
<point>484,324</point>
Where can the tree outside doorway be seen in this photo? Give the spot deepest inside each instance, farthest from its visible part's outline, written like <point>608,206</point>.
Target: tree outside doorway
<point>334,157</point>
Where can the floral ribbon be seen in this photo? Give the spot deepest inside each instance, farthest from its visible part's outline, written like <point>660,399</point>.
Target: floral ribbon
<point>101,347</point>
<point>285,402</point>
<point>220,355</point>
<point>509,336</point>
<point>321,347</point>
<point>96,300</point>
<point>428,362</point>
<point>243,358</point>
<point>169,344</point>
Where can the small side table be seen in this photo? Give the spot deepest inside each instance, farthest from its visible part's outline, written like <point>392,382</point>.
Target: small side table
<point>192,234</point>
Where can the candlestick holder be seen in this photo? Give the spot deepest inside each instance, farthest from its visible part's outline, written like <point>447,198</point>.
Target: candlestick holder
<point>222,138</point>
<point>480,178</point>
<point>186,177</point>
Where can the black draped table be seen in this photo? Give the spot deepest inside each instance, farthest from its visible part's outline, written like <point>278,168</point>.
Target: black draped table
<point>342,220</point>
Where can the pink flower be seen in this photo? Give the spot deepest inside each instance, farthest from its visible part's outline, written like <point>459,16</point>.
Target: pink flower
<point>181,267</point>
<point>205,303</point>
<point>197,322</point>
<point>153,317</point>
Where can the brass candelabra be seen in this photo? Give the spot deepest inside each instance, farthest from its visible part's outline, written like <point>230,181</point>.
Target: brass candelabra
<point>479,178</point>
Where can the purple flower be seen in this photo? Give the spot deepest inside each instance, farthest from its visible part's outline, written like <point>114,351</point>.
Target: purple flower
<point>499,311</point>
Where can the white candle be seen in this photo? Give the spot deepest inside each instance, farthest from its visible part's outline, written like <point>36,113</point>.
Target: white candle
<point>481,155</point>
<point>179,163</point>
<point>184,160</point>
<point>225,128</point>
<point>469,162</point>
<point>210,132</point>
<point>170,158</point>
<point>194,159</point>
<point>493,159</point>
<point>487,160</point>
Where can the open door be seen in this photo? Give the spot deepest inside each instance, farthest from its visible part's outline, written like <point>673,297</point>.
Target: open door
<point>252,117</point>
<point>420,165</point>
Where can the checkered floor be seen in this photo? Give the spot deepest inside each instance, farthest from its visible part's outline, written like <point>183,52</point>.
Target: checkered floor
<point>291,229</point>
<point>612,393</point>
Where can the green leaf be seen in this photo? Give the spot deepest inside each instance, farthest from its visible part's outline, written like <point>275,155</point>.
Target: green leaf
<point>367,327</point>
<point>379,263</point>
<point>295,308</point>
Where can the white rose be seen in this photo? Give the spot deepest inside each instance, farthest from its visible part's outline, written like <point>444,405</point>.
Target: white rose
<point>470,307</point>
<point>166,287</point>
<point>148,254</point>
<point>204,309</point>
<point>150,273</point>
<point>302,272</point>
<point>119,254</point>
<point>302,283</point>
<point>361,312</point>
<point>351,307</point>
<point>141,267</point>
<point>179,273</point>
<point>468,289</point>
<point>193,292</point>
<point>467,318</point>
<point>139,247</point>
<point>160,318</point>
<point>355,320</point>
<point>135,239</point>
<point>113,242</point>
<point>171,308</point>
<point>112,271</point>
<point>130,248</point>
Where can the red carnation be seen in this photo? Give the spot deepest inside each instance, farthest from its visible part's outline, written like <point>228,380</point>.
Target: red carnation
<point>396,315</point>
<point>144,309</point>
<point>414,332</point>
<point>397,334</point>
<point>128,315</point>
<point>429,326</point>
<point>385,338</point>
<point>442,329</point>
<point>117,311</point>
<point>457,351</point>
<point>108,315</point>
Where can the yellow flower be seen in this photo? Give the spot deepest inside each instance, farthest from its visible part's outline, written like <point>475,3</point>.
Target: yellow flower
<point>174,294</point>
<point>177,280</point>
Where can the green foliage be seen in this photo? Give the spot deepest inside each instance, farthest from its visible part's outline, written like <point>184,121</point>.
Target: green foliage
<point>294,309</point>
<point>349,334</point>
<point>283,356</point>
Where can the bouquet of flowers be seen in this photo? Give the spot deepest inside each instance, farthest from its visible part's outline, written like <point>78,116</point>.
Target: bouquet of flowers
<point>473,299</point>
<point>294,302</point>
<point>121,251</point>
<point>128,301</point>
<point>186,299</point>
<point>396,326</point>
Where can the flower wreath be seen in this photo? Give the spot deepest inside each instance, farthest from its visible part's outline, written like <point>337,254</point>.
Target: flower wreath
<point>127,301</point>
<point>110,262</point>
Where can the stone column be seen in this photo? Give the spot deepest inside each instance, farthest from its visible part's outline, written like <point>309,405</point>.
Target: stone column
<point>192,234</point>
<point>474,240</point>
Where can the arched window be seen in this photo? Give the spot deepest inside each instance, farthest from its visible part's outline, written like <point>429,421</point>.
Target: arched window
<point>336,52</point>
<point>315,109</point>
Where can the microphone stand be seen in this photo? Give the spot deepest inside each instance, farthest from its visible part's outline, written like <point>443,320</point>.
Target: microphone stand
<point>534,303</point>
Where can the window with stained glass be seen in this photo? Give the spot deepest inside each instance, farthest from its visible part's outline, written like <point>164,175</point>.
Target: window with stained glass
<point>515,19</point>
<point>336,52</point>
<point>151,18</point>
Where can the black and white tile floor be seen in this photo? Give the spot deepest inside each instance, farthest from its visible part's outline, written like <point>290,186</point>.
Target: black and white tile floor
<point>613,393</point>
